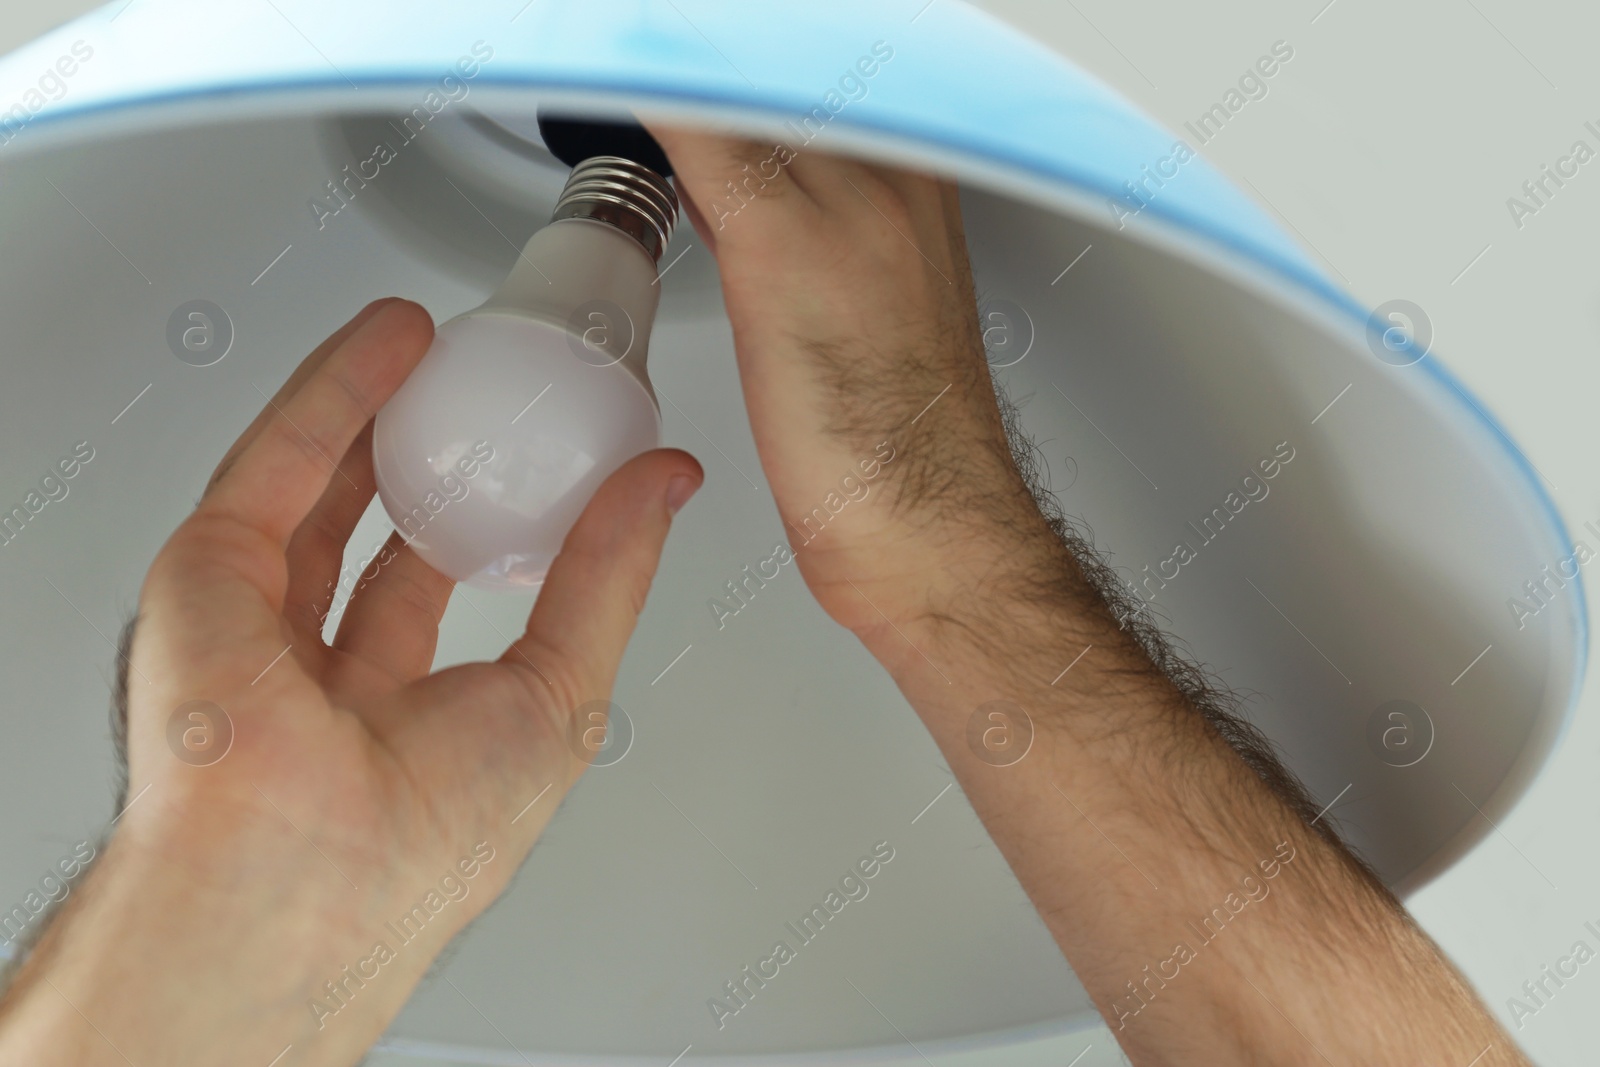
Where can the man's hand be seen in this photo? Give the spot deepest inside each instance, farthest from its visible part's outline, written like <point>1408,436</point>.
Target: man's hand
<point>357,784</point>
<point>859,351</point>
<point>1168,852</point>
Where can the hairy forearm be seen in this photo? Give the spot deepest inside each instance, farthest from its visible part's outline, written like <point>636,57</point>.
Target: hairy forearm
<point>1133,815</point>
<point>1166,850</point>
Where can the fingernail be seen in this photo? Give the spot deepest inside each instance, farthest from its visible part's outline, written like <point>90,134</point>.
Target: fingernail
<point>679,490</point>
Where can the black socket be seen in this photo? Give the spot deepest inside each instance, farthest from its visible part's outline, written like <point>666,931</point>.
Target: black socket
<point>573,140</point>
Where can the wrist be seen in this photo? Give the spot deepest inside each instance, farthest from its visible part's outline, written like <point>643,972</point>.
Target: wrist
<point>979,585</point>
<point>1013,620</point>
<point>149,938</point>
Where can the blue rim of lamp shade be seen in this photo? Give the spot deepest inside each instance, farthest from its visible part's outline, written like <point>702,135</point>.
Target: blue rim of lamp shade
<point>962,89</point>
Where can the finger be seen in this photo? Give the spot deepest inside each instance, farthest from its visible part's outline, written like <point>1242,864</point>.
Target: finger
<point>731,185</point>
<point>723,176</point>
<point>392,620</point>
<point>701,226</point>
<point>596,587</point>
<point>708,162</point>
<point>307,367</point>
<point>316,551</point>
<point>948,233</point>
<point>278,477</point>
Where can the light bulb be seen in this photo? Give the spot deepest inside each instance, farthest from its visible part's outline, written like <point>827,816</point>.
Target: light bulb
<point>490,450</point>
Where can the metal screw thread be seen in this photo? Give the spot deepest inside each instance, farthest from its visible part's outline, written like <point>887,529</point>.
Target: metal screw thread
<point>623,194</point>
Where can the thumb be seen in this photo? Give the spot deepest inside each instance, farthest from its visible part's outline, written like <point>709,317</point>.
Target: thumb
<point>592,596</point>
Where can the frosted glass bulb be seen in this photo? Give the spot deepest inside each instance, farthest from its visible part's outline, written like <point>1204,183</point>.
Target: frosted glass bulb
<point>490,450</point>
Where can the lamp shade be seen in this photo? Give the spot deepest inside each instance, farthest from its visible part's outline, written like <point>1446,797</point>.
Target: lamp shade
<point>1290,482</point>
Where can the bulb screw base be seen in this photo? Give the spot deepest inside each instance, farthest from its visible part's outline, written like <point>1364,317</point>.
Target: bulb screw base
<point>625,195</point>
